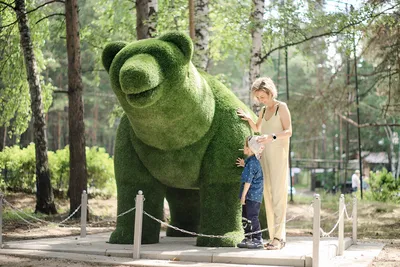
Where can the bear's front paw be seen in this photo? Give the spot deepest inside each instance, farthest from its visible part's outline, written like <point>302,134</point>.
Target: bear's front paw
<point>121,237</point>
<point>124,237</point>
<point>230,240</point>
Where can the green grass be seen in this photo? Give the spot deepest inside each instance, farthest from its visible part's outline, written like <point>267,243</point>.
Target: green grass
<point>11,215</point>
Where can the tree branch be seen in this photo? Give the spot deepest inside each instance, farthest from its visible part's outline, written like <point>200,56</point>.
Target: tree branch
<point>7,5</point>
<point>44,4</point>
<point>329,33</point>
<point>93,70</point>
<point>8,25</point>
<point>51,15</point>
<point>60,91</point>
<point>366,124</point>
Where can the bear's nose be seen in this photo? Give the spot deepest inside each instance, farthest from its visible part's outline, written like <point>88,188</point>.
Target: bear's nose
<point>140,73</point>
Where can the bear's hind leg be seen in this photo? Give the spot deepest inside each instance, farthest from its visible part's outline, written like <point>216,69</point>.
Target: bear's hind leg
<point>184,206</point>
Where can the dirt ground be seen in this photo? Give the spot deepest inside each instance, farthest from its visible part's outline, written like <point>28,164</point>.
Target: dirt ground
<point>374,225</point>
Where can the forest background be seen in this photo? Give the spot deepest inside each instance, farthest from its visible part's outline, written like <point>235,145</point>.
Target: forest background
<point>325,57</point>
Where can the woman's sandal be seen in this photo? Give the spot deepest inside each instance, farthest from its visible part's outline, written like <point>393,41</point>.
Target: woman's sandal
<point>267,244</point>
<point>271,246</point>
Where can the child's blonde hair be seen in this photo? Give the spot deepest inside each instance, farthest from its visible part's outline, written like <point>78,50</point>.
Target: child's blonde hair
<point>264,84</point>
<point>246,143</point>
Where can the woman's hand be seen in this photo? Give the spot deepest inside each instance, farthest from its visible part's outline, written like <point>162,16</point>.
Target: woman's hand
<point>240,162</point>
<point>264,139</point>
<point>243,115</point>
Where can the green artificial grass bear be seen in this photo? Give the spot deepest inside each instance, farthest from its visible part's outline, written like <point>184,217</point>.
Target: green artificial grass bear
<point>179,139</point>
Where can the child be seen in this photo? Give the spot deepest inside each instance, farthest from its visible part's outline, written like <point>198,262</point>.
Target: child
<point>251,191</point>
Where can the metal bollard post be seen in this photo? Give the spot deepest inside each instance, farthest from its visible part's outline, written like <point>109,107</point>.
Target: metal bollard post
<point>341,226</point>
<point>354,220</point>
<point>83,213</point>
<point>1,220</point>
<point>137,239</point>
<point>316,230</point>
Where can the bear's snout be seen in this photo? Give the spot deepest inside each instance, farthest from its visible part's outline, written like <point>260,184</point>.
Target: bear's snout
<point>139,74</point>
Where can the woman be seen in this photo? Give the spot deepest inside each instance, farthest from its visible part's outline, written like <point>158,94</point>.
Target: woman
<point>274,124</point>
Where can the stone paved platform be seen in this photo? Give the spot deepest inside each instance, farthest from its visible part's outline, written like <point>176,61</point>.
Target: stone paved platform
<point>172,251</point>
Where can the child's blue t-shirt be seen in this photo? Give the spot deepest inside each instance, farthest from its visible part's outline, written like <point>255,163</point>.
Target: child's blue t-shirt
<point>252,174</point>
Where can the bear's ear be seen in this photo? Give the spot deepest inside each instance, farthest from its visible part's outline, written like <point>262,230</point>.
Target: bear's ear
<point>182,41</point>
<point>109,53</point>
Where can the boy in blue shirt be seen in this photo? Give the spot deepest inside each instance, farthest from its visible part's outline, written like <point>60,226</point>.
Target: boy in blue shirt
<point>251,191</point>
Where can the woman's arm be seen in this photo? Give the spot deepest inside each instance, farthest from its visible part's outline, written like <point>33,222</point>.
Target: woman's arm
<point>256,126</point>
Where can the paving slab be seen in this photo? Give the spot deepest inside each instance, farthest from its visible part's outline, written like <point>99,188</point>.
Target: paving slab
<point>173,251</point>
<point>359,255</point>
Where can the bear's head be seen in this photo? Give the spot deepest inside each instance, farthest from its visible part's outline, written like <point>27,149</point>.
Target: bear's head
<point>139,71</point>
<point>167,101</point>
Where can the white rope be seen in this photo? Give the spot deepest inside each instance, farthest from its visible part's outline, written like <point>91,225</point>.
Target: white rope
<point>182,230</point>
<point>324,234</point>
<point>23,212</point>
<point>126,212</point>
<point>113,220</point>
<point>69,217</point>
<point>19,216</point>
<point>211,236</point>
<point>14,210</point>
<point>347,215</point>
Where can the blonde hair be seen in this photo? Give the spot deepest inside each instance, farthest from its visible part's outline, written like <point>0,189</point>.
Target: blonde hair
<point>246,142</point>
<point>264,84</point>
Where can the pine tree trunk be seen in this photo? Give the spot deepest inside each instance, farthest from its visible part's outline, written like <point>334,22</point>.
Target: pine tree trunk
<point>78,174</point>
<point>44,194</point>
<point>146,18</point>
<point>202,36</point>
<point>256,19</point>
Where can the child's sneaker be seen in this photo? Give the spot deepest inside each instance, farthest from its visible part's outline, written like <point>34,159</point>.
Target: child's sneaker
<point>244,244</point>
<point>255,243</point>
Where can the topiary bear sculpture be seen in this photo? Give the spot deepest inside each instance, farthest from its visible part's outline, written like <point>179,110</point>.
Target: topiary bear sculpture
<point>178,139</point>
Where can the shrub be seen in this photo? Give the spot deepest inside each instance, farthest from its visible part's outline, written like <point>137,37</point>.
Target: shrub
<point>100,169</point>
<point>384,187</point>
<point>17,166</point>
<point>59,169</point>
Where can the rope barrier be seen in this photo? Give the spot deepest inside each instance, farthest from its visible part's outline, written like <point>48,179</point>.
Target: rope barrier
<point>347,215</point>
<point>206,235</point>
<point>62,223</point>
<point>26,221</point>
<point>309,210</point>
<point>14,210</point>
<point>23,212</point>
<point>70,216</point>
<point>113,220</point>
<point>324,234</point>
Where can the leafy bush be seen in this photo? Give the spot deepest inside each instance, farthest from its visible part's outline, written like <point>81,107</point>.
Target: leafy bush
<point>100,169</point>
<point>384,187</point>
<point>59,168</point>
<point>17,167</point>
